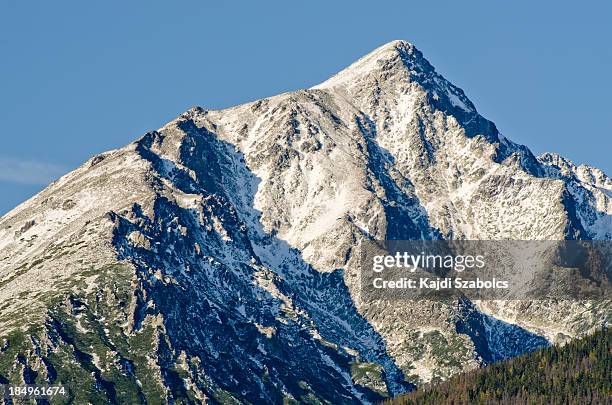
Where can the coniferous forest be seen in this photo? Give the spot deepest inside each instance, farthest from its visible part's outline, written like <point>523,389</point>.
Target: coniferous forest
<point>579,372</point>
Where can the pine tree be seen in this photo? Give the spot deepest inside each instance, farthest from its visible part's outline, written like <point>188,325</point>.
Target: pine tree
<point>578,373</point>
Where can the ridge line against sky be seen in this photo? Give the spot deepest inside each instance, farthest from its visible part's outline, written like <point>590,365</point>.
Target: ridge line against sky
<point>79,79</point>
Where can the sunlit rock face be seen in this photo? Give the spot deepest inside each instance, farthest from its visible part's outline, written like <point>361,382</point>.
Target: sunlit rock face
<point>217,258</point>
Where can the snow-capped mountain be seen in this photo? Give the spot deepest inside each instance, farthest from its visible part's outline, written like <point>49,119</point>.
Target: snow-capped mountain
<point>216,259</point>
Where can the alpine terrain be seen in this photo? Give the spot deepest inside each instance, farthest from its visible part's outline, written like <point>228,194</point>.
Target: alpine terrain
<point>216,260</point>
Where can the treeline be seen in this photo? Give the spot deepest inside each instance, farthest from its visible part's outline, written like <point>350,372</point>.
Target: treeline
<point>579,372</point>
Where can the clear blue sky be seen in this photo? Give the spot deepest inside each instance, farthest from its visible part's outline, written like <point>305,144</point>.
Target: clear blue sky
<point>79,77</point>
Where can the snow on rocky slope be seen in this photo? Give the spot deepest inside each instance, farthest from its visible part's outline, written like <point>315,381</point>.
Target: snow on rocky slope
<point>216,259</point>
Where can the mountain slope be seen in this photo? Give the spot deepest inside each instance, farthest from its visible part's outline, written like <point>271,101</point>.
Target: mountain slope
<point>217,257</point>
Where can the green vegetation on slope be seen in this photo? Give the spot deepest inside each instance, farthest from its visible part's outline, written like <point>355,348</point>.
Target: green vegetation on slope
<point>579,372</point>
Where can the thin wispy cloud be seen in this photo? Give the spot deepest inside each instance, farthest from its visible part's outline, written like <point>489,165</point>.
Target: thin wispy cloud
<point>28,171</point>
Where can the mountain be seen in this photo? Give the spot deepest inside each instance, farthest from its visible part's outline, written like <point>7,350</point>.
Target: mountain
<point>577,373</point>
<point>217,258</point>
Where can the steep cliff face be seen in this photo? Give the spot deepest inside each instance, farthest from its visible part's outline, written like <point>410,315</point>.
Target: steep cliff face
<point>216,259</point>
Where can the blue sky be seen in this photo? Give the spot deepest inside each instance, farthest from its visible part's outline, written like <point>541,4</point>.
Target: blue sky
<point>78,78</point>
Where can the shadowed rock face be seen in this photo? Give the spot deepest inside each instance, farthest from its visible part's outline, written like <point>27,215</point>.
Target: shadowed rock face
<point>216,259</point>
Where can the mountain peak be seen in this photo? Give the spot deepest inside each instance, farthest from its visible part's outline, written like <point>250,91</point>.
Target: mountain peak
<point>397,69</point>
<point>397,45</point>
<point>392,54</point>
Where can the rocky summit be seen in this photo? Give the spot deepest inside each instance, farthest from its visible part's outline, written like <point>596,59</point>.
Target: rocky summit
<point>216,260</point>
